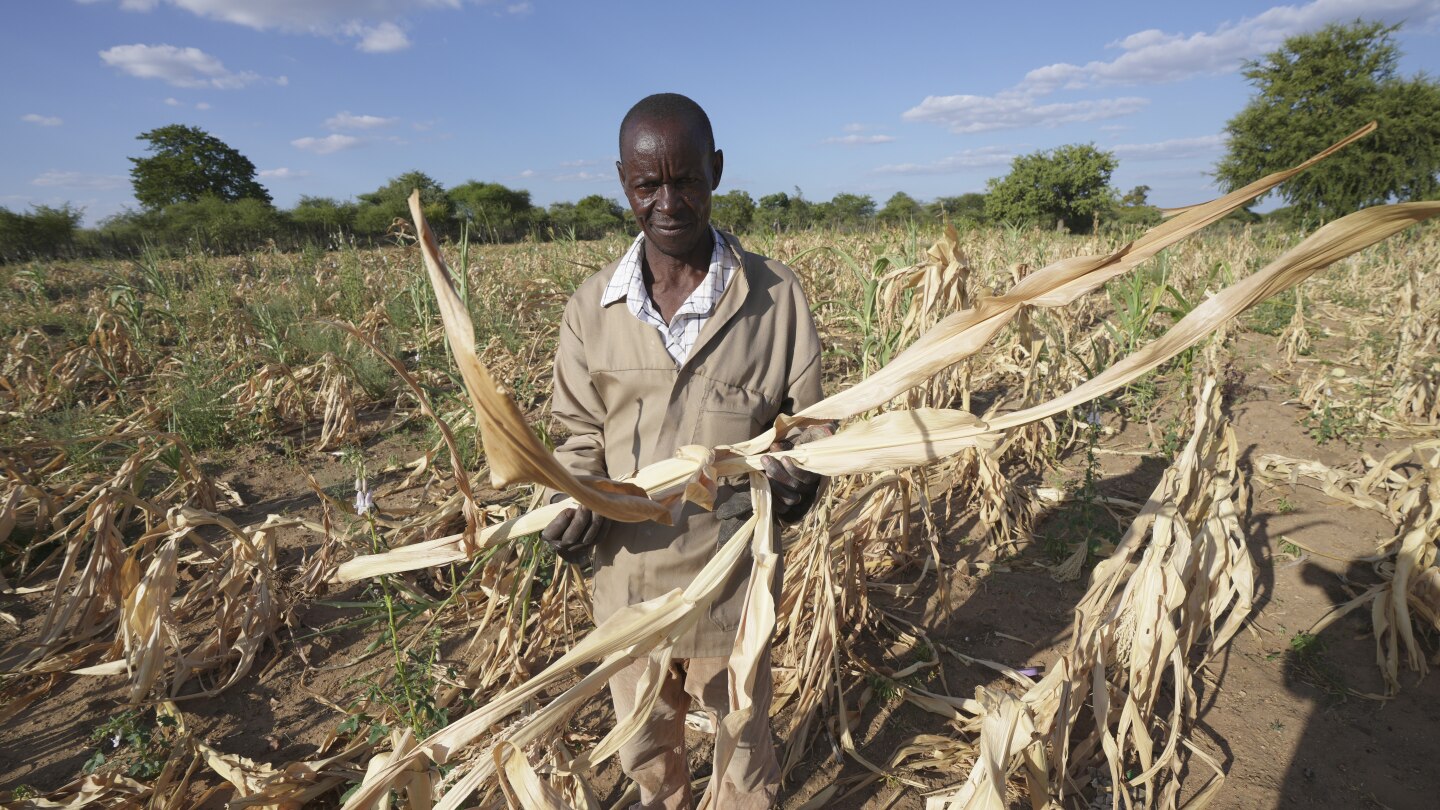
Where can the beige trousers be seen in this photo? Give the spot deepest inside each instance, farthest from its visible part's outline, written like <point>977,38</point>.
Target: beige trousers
<point>655,756</point>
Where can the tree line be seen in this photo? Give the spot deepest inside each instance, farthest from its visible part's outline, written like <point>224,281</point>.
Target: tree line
<point>196,192</point>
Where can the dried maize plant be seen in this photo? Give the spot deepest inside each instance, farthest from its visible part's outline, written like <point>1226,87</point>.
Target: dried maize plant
<point>1404,486</point>
<point>253,784</point>
<point>105,582</point>
<point>113,348</point>
<point>279,395</point>
<point>272,396</point>
<point>889,441</point>
<point>234,596</point>
<point>23,379</point>
<point>1416,395</point>
<point>938,285</point>
<point>336,399</point>
<point>1122,698</point>
<point>1295,337</point>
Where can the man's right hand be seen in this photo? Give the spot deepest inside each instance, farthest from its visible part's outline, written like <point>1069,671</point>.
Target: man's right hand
<point>572,533</point>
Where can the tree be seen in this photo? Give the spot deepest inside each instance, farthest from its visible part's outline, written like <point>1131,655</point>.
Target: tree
<point>320,218</point>
<point>1069,184</point>
<point>494,211</point>
<point>733,211</point>
<point>189,163</point>
<point>849,211</point>
<point>780,211</point>
<point>1319,87</point>
<point>45,231</point>
<point>899,209</point>
<point>218,226</point>
<point>379,209</point>
<point>1139,195</point>
<point>597,215</point>
<point>969,206</point>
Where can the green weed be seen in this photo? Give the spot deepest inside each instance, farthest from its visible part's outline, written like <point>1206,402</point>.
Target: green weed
<point>146,747</point>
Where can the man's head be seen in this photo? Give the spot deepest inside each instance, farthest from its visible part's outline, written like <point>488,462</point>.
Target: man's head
<point>668,167</point>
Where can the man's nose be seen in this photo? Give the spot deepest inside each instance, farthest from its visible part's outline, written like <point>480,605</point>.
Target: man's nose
<point>668,198</point>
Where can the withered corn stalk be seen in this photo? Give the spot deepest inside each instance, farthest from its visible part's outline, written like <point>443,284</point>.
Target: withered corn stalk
<point>1409,590</point>
<point>1179,583</point>
<point>1198,539</point>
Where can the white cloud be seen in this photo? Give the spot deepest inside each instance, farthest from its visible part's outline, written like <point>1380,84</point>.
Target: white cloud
<point>374,24</point>
<point>583,177</point>
<point>181,67</point>
<point>173,102</point>
<point>41,120</point>
<point>523,7</point>
<point>528,173</point>
<point>855,139</point>
<point>854,127</point>
<point>575,164</point>
<point>316,16</point>
<point>968,159</point>
<point>58,179</point>
<point>1153,56</point>
<point>345,120</point>
<point>327,144</point>
<point>1201,146</point>
<point>387,37</point>
<point>966,114</point>
<point>283,173</point>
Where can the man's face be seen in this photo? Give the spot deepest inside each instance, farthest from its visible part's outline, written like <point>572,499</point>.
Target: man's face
<point>667,173</point>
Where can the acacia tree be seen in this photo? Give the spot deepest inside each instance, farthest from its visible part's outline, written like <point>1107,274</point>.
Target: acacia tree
<point>1319,87</point>
<point>733,210</point>
<point>899,209</point>
<point>189,164</point>
<point>494,211</point>
<point>1068,184</point>
<point>377,210</point>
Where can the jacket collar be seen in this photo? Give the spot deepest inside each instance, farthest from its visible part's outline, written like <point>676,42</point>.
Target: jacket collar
<point>730,301</point>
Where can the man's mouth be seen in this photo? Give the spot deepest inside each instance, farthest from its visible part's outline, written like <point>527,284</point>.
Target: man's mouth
<point>670,227</point>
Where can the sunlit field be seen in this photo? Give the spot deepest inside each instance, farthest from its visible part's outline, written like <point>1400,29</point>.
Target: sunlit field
<point>191,444</point>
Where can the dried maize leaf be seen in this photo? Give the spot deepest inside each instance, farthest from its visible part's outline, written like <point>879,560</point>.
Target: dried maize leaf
<point>511,449</point>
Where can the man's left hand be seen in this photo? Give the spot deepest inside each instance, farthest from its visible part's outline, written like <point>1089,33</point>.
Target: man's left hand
<point>793,488</point>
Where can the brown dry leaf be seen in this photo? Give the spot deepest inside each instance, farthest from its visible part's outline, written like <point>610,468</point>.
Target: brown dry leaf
<point>511,449</point>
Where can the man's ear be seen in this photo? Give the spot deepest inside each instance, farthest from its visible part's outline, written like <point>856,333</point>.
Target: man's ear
<point>620,170</point>
<point>717,165</point>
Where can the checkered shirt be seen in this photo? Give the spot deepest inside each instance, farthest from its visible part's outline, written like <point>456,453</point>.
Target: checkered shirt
<point>684,329</point>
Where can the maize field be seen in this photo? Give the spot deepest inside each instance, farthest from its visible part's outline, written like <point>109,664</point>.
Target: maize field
<point>1099,509</point>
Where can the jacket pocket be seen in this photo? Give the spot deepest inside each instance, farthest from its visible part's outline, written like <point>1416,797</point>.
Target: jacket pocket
<point>725,610</point>
<point>730,414</point>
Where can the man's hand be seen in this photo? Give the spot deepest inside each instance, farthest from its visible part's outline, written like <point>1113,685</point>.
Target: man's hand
<point>792,487</point>
<point>572,533</point>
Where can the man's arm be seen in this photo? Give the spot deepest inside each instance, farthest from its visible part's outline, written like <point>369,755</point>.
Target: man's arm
<point>577,406</point>
<point>795,489</point>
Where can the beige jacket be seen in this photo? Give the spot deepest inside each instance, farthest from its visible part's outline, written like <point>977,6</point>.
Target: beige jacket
<point>626,405</point>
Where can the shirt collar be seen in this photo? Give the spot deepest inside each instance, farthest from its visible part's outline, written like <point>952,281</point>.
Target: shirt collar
<point>629,274</point>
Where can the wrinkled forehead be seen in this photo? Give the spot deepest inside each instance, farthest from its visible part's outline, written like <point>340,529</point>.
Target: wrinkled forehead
<point>671,135</point>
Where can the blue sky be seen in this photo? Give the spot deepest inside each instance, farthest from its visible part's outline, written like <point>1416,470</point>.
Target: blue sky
<point>334,97</point>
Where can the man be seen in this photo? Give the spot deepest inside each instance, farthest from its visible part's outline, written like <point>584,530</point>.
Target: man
<point>687,339</point>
